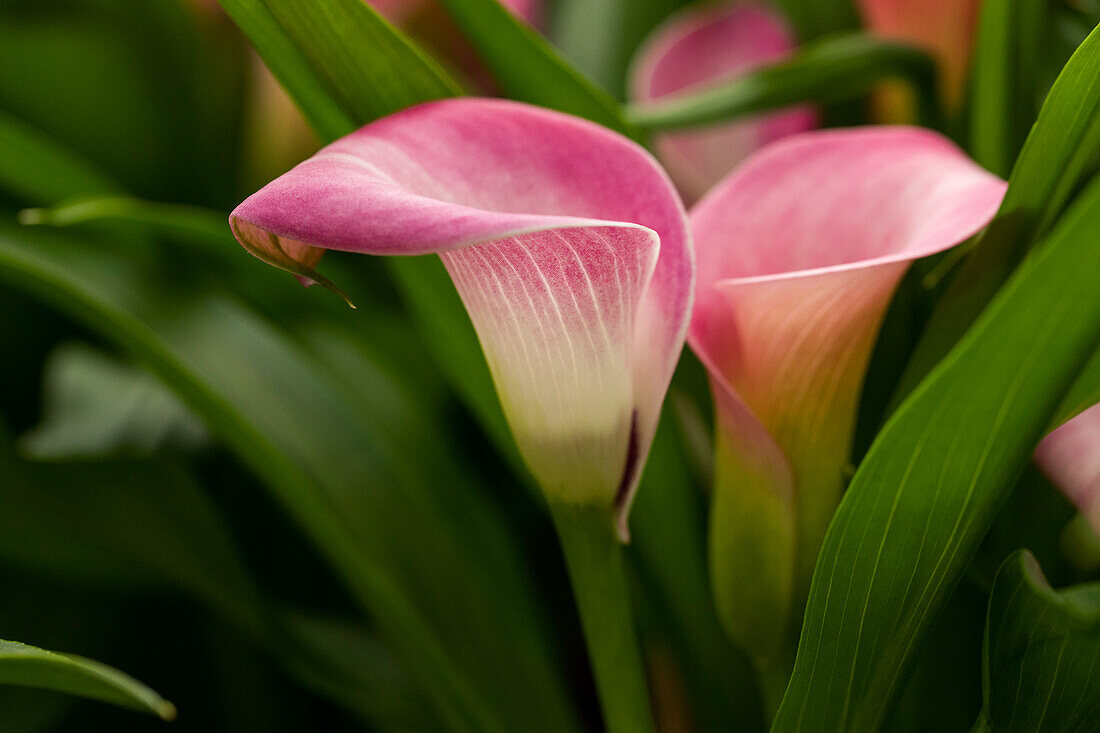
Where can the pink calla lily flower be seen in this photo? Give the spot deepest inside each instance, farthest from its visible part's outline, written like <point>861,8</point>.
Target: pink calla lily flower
<point>1070,456</point>
<point>696,48</point>
<point>944,28</point>
<point>799,253</point>
<point>566,241</point>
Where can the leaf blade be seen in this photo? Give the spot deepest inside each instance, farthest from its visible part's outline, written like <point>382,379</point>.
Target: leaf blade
<point>1042,651</point>
<point>21,664</point>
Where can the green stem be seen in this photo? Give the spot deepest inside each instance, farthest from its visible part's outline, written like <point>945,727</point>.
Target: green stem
<point>594,558</point>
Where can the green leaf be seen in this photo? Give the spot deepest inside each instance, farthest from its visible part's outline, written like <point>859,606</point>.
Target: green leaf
<point>1006,89</point>
<point>440,571</point>
<point>341,661</point>
<point>825,71</point>
<point>131,523</point>
<point>1085,392</point>
<point>813,18</point>
<point>38,169</point>
<point>447,333</point>
<point>1042,652</point>
<point>342,63</point>
<point>1058,158</point>
<point>33,667</point>
<point>147,525</point>
<point>527,67</point>
<point>590,34</point>
<point>95,405</point>
<point>206,229</point>
<point>933,480</point>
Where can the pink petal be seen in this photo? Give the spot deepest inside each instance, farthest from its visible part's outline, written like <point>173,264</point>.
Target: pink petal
<point>565,240</point>
<point>799,252</point>
<point>1070,456</point>
<point>703,46</point>
<point>945,28</point>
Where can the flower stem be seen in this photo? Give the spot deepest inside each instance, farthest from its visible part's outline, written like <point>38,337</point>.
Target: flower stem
<point>594,558</point>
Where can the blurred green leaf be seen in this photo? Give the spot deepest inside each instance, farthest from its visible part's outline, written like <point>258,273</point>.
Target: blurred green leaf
<point>342,661</point>
<point>527,67</point>
<point>590,34</point>
<point>343,64</point>
<point>814,18</point>
<point>95,405</point>
<point>825,71</point>
<point>33,667</point>
<point>40,170</point>
<point>947,670</point>
<point>134,522</point>
<point>1059,157</point>
<point>129,69</point>
<point>1034,516</point>
<point>146,524</point>
<point>1085,392</point>
<point>1005,83</point>
<point>1042,652</point>
<point>206,229</point>
<point>933,480</point>
<point>602,36</point>
<point>439,569</point>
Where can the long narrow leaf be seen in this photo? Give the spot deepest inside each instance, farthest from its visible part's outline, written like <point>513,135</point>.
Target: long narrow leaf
<point>41,170</point>
<point>1058,158</point>
<point>527,67</point>
<point>829,70</point>
<point>342,63</point>
<point>30,666</point>
<point>1005,80</point>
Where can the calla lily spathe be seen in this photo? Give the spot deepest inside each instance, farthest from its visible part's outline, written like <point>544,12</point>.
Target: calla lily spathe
<point>1070,456</point>
<point>799,253</point>
<point>705,45</point>
<point>566,241</point>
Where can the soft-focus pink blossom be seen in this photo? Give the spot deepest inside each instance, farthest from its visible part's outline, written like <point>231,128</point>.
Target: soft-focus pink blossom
<point>702,46</point>
<point>1070,456</point>
<point>566,241</point>
<point>799,253</point>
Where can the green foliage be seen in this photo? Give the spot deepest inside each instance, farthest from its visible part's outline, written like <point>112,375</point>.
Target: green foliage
<point>343,64</point>
<point>830,70</point>
<point>527,67</point>
<point>1058,157</point>
<point>1042,652</point>
<point>33,667</point>
<point>96,406</point>
<point>813,18</point>
<point>1007,88</point>
<point>414,586</point>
